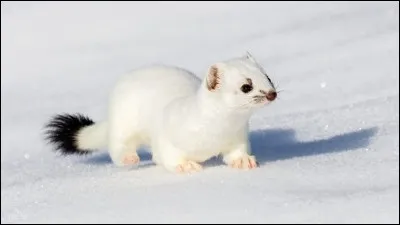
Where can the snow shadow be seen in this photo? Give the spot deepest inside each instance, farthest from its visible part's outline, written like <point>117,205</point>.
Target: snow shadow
<point>281,144</point>
<point>276,144</point>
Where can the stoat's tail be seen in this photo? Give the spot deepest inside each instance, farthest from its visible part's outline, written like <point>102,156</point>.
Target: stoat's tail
<point>75,134</point>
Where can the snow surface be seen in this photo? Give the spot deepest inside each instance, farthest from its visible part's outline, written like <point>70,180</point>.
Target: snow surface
<point>328,147</point>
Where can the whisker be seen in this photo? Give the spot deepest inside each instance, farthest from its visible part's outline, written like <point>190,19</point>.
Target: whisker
<point>258,96</point>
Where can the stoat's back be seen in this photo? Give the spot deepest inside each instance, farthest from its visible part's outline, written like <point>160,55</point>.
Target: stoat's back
<point>143,93</point>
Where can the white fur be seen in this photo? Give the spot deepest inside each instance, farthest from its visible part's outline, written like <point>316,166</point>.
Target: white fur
<point>171,110</point>
<point>93,137</point>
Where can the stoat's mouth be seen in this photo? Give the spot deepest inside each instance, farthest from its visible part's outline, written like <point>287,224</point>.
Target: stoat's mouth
<point>266,97</point>
<point>260,99</point>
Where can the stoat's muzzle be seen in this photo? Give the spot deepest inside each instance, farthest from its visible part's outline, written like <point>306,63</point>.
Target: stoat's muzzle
<point>270,95</point>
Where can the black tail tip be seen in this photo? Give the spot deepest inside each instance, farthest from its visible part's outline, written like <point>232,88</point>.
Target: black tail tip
<point>61,131</point>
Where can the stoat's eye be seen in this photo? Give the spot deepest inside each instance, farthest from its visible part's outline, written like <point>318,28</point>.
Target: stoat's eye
<point>246,88</point>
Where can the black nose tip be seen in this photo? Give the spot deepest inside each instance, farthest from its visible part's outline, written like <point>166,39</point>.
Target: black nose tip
<point>271,95</point>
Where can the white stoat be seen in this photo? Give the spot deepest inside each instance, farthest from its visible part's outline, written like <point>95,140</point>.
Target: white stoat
<point>182,119</point>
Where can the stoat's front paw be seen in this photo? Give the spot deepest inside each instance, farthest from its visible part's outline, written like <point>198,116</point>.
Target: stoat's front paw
<point>130,159</point>
<point>188,167</point>
<point>245,162</point>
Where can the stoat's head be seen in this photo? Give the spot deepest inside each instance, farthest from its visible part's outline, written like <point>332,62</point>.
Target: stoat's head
<point>240,83</point>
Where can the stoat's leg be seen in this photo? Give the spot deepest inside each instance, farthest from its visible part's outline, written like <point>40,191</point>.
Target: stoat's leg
<point>240,158</point>
<point>174,159</point>
<point>123,151</point>
<point>123,136</point>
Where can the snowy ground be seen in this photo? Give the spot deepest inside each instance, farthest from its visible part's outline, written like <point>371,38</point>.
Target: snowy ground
<point>329,147</point>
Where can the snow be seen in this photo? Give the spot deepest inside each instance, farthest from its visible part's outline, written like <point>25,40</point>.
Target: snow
<point>328,147</point>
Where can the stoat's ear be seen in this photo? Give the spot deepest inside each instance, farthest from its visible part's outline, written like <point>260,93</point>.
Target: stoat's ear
<point>213,78</point>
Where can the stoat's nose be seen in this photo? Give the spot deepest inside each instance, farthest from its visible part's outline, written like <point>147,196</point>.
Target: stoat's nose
<point>271,95</point>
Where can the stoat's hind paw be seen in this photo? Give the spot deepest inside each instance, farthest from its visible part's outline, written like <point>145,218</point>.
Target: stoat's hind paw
<point>131,159</point>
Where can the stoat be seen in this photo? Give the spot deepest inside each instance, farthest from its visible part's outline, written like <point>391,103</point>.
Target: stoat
<point>183,120</point>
